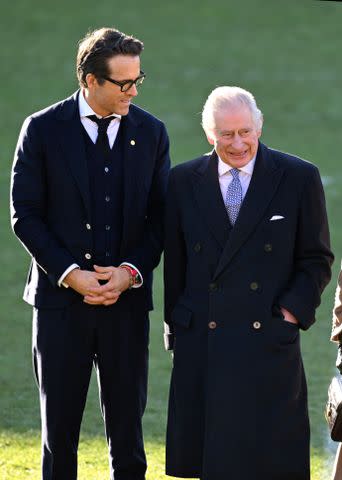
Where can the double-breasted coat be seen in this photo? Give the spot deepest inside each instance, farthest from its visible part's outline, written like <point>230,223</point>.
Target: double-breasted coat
<point>238,397</point>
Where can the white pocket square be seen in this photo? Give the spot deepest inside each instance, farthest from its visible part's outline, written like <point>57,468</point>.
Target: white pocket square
<point>276,217</point>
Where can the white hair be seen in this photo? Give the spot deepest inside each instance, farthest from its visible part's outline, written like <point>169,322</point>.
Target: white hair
<point>228,97</point>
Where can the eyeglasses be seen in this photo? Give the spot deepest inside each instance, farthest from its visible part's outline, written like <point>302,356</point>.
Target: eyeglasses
<point>125,86</point>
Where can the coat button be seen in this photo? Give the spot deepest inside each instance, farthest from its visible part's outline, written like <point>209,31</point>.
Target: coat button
<point>268,247</point>
<point>213,287</point>
<point>88,226</point>
<point>254,286</point>
<point>212,325</point>
<point>197,247</point>
<point>256,325</point>
<point>87,256</point>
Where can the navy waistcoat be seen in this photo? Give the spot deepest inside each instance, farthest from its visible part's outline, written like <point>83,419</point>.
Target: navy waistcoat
<point>106,194</point>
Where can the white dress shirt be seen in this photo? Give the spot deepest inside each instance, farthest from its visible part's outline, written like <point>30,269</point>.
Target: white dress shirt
<point>225,177</point>
<point>92,130</point>
<point>92,127</point>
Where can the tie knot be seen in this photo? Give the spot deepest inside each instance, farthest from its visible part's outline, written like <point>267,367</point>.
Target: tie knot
<point>235,173</point>
<point>102,123</point>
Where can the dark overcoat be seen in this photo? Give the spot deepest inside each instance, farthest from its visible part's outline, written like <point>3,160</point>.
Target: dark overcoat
<point>238,397</point>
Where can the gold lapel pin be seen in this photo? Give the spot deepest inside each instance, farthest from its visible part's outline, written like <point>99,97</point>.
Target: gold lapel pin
<point>132,142</point>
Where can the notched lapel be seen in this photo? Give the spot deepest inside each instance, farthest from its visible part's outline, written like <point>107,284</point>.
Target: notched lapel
<point>72,144</point>
<point>209,198</point>
<point>262,188</point>
<point>133,153</point>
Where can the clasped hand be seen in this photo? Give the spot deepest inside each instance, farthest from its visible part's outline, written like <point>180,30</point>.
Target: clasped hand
<point>87,283</point>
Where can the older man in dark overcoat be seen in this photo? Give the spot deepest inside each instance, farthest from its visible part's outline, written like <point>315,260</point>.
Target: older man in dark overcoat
<point>247,256</point>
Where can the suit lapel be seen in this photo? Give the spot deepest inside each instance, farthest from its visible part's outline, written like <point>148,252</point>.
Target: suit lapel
<point>209,198</point>
<point>133,164</point>
<point>73,146</point>
<point>264,183</point>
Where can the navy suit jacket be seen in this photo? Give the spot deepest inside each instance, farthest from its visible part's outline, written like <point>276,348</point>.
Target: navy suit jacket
<point>50,202</point>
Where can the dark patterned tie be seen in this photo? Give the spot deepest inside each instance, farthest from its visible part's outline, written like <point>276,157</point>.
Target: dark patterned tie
<point>102,140</point>
<point>234,196</point>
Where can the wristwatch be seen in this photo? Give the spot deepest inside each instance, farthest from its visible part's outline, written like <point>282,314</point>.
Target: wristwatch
<point>134,278</point>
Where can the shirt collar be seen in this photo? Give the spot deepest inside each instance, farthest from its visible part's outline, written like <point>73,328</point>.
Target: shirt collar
<point>86,110</point>
<point>224,168</point>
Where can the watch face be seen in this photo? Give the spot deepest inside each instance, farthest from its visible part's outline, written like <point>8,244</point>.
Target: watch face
<point>137,279</point>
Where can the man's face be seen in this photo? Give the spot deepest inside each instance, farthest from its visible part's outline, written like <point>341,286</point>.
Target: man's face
<point>107,98</point>
<point>235,137</point>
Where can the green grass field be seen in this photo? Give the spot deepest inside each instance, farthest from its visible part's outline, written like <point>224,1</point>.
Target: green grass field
<point>285,52</point>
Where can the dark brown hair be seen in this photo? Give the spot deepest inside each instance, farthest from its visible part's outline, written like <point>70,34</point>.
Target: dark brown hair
<point>100,45</point>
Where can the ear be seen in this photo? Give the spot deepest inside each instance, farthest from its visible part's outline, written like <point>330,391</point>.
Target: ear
<point>259,132</point>
<point>91,80</point>
<point>210,139</point>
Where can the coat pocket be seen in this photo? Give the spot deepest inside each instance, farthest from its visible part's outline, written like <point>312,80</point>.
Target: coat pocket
<point>286,333</point>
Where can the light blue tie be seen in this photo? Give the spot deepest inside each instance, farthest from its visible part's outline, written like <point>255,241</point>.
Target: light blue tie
<point>234,196</point>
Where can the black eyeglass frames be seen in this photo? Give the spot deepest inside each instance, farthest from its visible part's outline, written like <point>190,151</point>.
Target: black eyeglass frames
<point>125,86</point>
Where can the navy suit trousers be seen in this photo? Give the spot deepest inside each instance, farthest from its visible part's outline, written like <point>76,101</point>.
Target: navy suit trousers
<point>66,344</point>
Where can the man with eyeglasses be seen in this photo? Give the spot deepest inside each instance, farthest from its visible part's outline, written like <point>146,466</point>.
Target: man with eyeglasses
<point>88,186</point>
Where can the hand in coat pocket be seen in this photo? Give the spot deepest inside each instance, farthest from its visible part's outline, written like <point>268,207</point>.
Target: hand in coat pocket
<point>288,317</point>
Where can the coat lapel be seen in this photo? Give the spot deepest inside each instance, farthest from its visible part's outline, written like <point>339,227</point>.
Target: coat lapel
<point>73,146</point>
<point>209,198</point>
<point>264,183</point>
